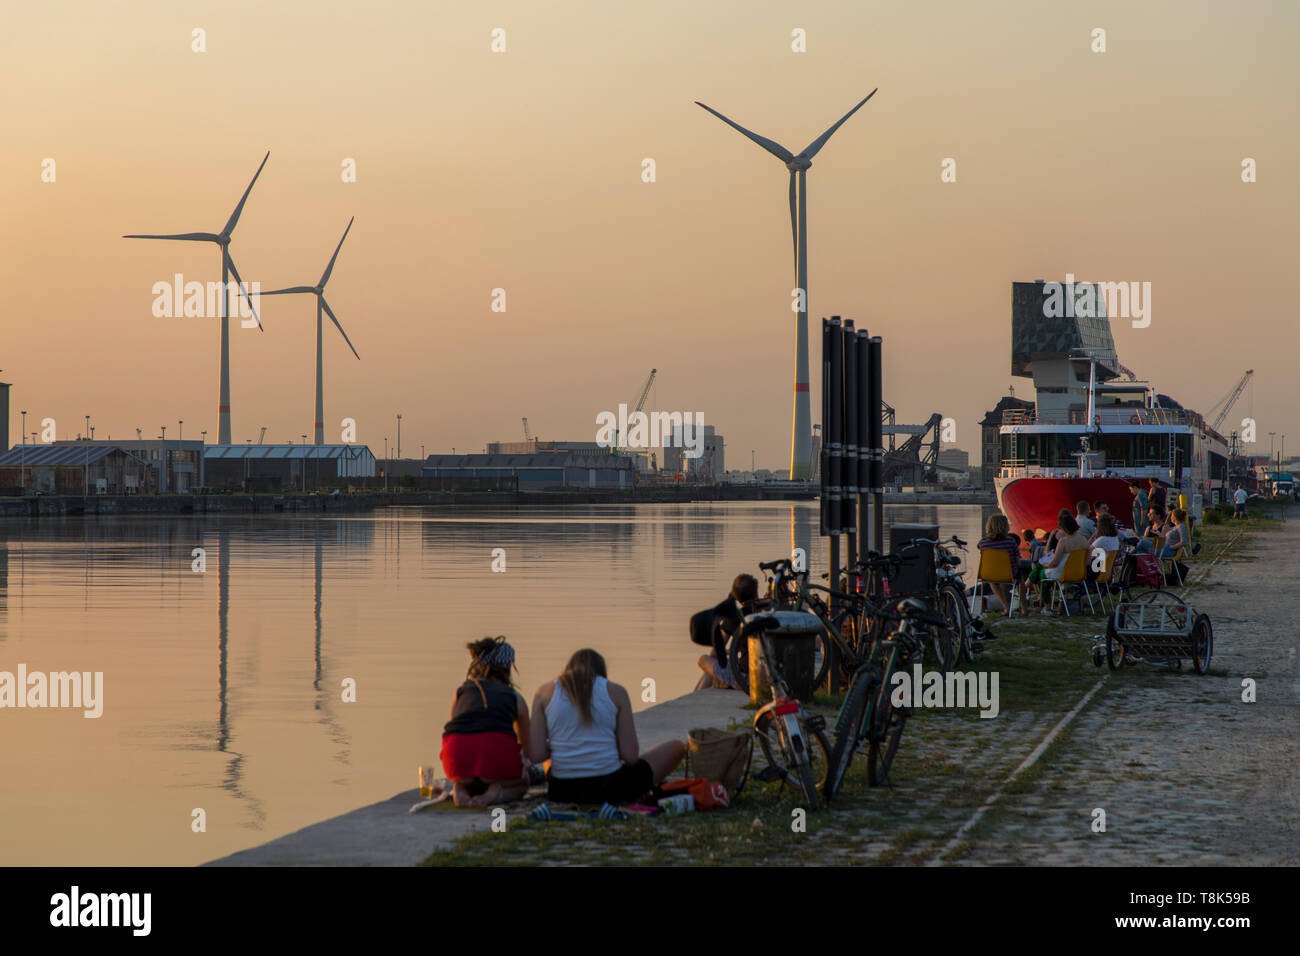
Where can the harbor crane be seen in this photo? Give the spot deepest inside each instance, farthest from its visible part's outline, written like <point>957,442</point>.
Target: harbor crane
<point>640,403</point>
<point>527,436</point>
<point>262,436</point>
<point>1231,400</point>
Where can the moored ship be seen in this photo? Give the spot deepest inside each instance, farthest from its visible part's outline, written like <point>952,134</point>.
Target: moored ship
<point>1094,431</point>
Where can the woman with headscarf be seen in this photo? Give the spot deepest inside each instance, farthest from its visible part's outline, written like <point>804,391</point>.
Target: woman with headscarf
<point>482,744</point>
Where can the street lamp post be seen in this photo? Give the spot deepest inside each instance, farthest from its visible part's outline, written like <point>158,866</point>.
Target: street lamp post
<point>385,463</point>
<point>22,455</point>
<point>399,436</point>
<point>304,464</point>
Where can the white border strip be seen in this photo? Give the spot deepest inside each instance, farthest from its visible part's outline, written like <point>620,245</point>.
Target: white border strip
<point>1024,765</point>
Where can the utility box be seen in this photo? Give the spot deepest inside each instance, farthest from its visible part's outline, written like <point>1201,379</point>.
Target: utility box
<point>917,574</point>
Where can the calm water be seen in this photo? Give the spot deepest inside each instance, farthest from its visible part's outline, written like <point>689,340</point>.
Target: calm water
<point>223,689</point>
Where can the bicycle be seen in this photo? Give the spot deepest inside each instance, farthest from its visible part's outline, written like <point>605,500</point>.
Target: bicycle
<point>849,630</point>
<point>868,714</point>
<point>793,742</point>
<point>948,596</point>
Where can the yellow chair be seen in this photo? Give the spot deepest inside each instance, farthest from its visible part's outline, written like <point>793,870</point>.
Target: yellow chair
<point>1173,562</point>
<point>1104,577</point>
<point>1075,572</point>
<point>995,568</point>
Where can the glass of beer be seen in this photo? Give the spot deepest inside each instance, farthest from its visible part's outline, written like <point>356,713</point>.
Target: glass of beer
<point>426,783</point>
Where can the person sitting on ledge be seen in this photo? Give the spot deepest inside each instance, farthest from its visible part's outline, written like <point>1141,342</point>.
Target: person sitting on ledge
<point>716,626</point>
<point>482,744</point>
<point>583,723</point>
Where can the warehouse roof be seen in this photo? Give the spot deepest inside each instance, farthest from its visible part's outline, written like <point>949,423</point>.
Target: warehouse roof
<point>212,452</point>
<point>538,460</point>
<point>60,453</point>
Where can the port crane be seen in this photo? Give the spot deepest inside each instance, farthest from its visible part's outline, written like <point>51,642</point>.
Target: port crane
<point>1230,400</point>
<point>262,436</point>
<point>640,403</point>
<point>527,436</point>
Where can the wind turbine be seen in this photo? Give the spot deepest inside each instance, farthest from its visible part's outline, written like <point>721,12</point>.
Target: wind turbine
<point>228,269</point>
<point>801,430</point>
<point>318,290</point>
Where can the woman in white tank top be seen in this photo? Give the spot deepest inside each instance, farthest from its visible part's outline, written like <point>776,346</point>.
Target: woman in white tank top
<point>583,723</point>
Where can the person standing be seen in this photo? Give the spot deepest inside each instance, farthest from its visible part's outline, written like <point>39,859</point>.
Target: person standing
<point>1239,500</point>
<point>1140,505</point>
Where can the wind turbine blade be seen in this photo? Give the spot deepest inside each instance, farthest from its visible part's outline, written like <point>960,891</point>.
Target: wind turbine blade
<point>334,319</point>
<point>185,236</point>
<point>815,146</point>
<point>794,228</point>
<point>234,216</point>
<point>330,268</point>
<point>290,291</point>
<point>242,291</point>
<point>776,149</point>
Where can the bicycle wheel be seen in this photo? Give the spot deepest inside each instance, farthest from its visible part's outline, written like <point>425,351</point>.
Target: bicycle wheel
<point>1114,646</point>
<point>1202,643</point>
<point>808,768</point>
<point>850,728</point>
<point>953,645</point>
<point>886,732</point>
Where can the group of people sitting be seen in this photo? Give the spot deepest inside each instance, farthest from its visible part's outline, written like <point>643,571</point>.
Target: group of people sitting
<point>579,737</point>
<point>1039,558</point>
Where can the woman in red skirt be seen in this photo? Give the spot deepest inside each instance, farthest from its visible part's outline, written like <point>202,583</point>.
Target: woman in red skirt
<point>482,743</point>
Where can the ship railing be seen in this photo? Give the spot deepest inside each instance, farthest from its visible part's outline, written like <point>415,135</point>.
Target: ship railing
<point>1018,416</point>
<point>1140,416</point>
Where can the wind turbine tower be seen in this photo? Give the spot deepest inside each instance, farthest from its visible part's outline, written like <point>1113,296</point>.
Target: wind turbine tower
<point>801,430</point>
<point>228,269</point>
<point>318,290</point>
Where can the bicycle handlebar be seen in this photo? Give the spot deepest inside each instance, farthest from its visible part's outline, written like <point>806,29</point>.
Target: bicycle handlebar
<point>954,540</point>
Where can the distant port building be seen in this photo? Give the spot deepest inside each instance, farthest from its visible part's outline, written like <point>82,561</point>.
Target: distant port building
<point>157,466</point>
<point>104,466</point>
<point>539,471</point>
<point>272,468</point>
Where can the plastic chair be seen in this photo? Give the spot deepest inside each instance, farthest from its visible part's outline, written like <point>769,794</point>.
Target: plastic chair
<point>1075,572</point>
<point>1173,561</point>
<point>995,568</point>
<point>1104,578</point>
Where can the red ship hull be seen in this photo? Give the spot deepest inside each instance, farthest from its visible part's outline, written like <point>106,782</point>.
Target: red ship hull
<point>1035,502</point>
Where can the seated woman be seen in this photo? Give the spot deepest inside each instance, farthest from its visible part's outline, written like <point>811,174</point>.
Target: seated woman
<point>1068,540</point>
<point>583,723</point>
<point>1176,534</point>
<point>482,744</point>
<point>1105,540</point>
<point>1158,524</point>
<point>997,534</point>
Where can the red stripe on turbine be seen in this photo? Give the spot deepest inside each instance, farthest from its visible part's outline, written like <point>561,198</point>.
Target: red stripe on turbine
<point>801,386</point>
<point>223,408</point>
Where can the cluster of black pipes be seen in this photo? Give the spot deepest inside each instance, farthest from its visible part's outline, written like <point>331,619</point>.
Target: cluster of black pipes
<point>853,453</point>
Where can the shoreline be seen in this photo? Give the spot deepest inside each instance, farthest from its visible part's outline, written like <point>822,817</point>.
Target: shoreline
<point>107,506</point>
<point>386,833</point>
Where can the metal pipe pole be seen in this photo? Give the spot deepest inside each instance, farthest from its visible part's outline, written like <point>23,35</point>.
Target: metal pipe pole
<point>833,436</point>
<point>877,471</point>
<point>862,347</point>
<point>849,469</point>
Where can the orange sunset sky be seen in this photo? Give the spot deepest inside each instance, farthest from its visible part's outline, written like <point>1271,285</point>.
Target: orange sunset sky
<point>522,170</point>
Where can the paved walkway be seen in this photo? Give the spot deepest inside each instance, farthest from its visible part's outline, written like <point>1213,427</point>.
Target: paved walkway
<point>387,834</point>
<point>1186,772</point>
